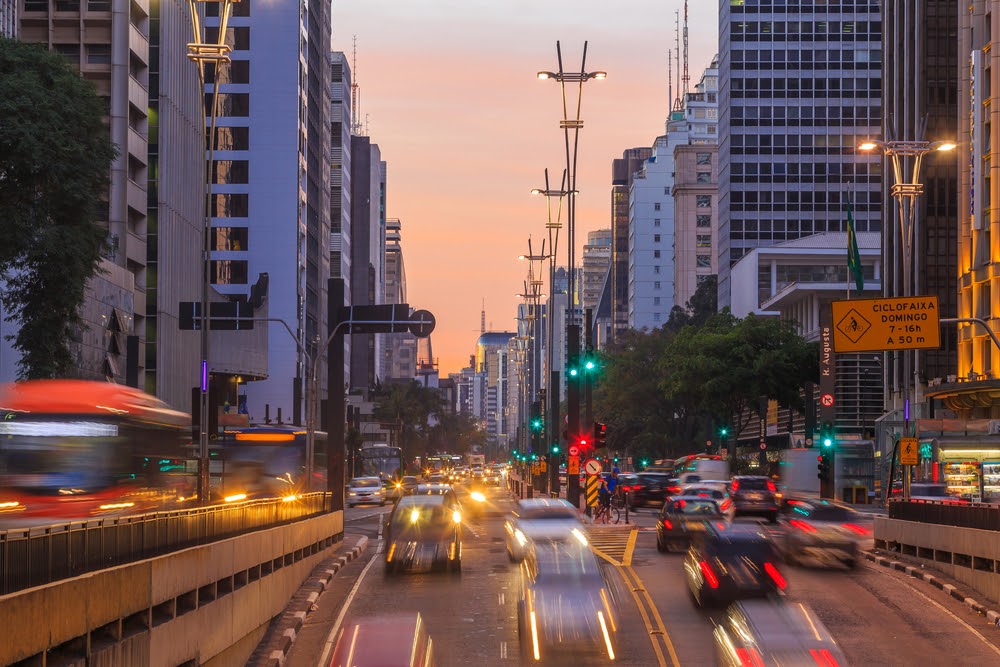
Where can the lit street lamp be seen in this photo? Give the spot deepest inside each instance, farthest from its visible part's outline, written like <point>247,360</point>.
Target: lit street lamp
<point>906,188</point>
<point>201,53</point>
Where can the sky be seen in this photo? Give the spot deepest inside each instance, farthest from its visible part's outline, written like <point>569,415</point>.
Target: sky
<point>448,90</point>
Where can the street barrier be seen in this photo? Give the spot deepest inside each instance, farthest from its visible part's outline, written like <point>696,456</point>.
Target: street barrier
<point>947,513</point>
<point>44,554</point>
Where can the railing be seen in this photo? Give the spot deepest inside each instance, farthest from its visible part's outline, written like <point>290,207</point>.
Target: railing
<point>945,513</point>
<point>35,556</point>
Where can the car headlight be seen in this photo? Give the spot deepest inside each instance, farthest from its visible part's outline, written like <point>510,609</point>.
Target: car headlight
<point>352,493</point>
<point>519,536</point>
<point>456,516</point>
<point>478,496</point>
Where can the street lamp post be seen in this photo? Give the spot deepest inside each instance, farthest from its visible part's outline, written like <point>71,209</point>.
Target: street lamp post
<point>202,53</point>
<point>906,188</point>
<point>572,124</point>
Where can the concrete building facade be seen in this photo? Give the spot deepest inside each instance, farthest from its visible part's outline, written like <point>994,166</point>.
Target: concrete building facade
<point>400,349</point>
<point>622,170</point>
<point>341,118</point>
<point>596,264</point>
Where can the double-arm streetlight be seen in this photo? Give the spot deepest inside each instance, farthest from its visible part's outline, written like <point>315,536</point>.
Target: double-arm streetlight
<point>571,125</point>
<point>906,188</point>
<point>202,52</point>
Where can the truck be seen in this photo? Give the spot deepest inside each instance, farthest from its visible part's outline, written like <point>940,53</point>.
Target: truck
<point>475,460</point>
<point>799,474</point>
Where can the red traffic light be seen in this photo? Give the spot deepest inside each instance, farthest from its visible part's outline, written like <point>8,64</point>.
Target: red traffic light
<point>820,458</point>
<point>583,442</point>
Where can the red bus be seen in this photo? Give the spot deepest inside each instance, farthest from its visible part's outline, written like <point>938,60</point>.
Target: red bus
<point>77,449</point>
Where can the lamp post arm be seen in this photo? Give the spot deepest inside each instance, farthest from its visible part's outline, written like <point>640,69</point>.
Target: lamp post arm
<point>972,320</point>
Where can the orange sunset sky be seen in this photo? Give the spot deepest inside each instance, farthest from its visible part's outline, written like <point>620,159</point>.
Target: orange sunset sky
<point>449,91</point>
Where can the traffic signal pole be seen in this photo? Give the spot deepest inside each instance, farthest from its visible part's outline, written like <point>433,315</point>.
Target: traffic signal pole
<point>573,406</point>
<point>554,440</point>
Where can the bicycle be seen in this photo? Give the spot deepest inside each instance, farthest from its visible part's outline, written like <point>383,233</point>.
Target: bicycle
<point>608,514</point>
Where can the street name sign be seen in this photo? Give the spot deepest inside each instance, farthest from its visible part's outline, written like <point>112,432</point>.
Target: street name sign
<point>908,451</point>
<point>877,325</point>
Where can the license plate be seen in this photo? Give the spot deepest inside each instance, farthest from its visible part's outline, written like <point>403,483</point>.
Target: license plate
<point>696,527</point>
<point>753,496</point>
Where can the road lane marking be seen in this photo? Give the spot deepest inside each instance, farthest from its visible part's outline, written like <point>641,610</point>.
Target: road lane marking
<point>503,650</point>
<point>657,629</point>
<point>968,627</point>
<point>630,547</point>
<point>335,630</point>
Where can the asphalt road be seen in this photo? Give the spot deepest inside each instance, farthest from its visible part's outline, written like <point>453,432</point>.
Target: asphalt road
<point>879,617</point>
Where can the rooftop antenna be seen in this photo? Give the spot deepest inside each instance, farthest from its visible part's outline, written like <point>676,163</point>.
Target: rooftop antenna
<point>686,79</point>
<point>482,319</point>
<point>678,105</point>
<point>355,91</point>
<point>670,81</point>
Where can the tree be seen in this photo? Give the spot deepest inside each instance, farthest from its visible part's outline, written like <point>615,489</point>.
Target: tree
<point>410,408</point>
<point>55,156</point>
<point>702,305</point>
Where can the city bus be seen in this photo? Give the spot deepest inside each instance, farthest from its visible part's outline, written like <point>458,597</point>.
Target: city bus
<point>380,460</point>
<point>265,461</point>
<point>76,449</point>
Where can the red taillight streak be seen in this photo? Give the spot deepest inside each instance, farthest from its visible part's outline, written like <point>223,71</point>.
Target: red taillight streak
<point>736,485</point>
<point>673,490</point>
<point>823,658</point>
<point>854,528</point>
<point>802,525</point>
<point>706,571</point>
<point>667,524</point>
<point>772,572</point>
<point>771,487</point>
<point>749,658</point>
<point>725,504</point>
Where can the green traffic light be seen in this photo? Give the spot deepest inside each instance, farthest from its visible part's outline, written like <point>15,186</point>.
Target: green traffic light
<point>644,463</point>
<point>590,365</point>
<point>572,372</point>
<point>827,442</point>
<point>723,431</point>
<point>555,449</point>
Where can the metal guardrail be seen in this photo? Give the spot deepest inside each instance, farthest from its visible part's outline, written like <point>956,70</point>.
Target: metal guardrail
<point>961,515</point>
<point>40,555</point>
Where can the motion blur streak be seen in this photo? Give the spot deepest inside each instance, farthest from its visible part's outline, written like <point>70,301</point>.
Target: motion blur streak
<point>534,637</point>
<point>607,637</point>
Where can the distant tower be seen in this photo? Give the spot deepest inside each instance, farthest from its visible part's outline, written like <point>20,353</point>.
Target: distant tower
<point>678,104</point>
<point>356,127</point>
<point>670,81</point>
<point>685,80</point>
<point>482,319</point>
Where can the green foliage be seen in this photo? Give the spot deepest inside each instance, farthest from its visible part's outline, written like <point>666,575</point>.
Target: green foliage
<point>409,408</point>
<point>55,155</point>
<point>703,305</point>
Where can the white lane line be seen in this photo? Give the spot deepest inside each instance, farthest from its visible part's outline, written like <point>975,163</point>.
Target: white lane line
<point>335,630</point>
<point>501,598</point>
<point>503,650</point>
<point>942,608</point>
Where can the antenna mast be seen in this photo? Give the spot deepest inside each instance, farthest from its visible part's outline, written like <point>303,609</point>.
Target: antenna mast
<point>482,319</point>
<point>686,79</point>
<point>678,106</point>
<point>670,81</point>
<point>355,91</point>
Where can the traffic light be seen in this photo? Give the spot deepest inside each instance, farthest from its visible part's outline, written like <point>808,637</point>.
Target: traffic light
<point>583,444</point>
<point>823,467</point>
<point>827,435</point>
<point>537,424</point>
<point>600,434</point>
<point>555,448</point>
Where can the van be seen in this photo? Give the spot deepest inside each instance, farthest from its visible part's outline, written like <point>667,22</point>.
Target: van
<point>705,470</point>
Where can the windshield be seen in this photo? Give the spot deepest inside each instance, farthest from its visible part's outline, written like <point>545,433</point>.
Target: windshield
<point>693,507</point>
<point>543,514</point>
<point>364,483</point>
<point>562,561</point>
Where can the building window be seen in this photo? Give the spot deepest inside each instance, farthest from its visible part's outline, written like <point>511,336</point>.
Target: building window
<point>237,71</point>
<point>656,301</point>
<point>232,139</point>
<point>656,206</point>
<point>229,272</point>
<point>703,241</point>
<point>70,52</point>
<point>656,285</point>
<point>703,177</point>
<point>703,158</point>
<point>236,38</point>
<point>666,189</point>
<point>656,222</point>
<point>656,317</point>
<point>231,104</point>
<point>703,201</point>
<point>656,254</point>
<point>704,221</point>
<point>98,54</point>
<point>656,238</point>
<point>99,5</point>
<point>230,238</point>
<point>699,279</point>
<point>231,172</point>
<point>232,205</point>
<point>704,261</point>
<point>656,270</point>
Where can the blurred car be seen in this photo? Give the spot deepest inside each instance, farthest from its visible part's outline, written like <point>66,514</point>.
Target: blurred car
<point>438,477</point>
<point>683,516</point>
<point>402,487</point>
<point>627,480</point>
<point>362,490</point>
<point>565,609</point>
<point>824,532</point>
<point>425,532</point>
<point>732,563</point>
<point>396,640</point>
<point>537,519</point>
<point>755,495</point>
<point>764,633</point>
<point>652,488</point>
<point>716,491</point>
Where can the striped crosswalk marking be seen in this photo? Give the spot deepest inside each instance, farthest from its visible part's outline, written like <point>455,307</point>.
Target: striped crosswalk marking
<point>614,544</point>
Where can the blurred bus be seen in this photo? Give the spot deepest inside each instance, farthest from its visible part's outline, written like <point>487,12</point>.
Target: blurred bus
<point>265,461</point>
<point>380,460</point>
<point>76,449</point>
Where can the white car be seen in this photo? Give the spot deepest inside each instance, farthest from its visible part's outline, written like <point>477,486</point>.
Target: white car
<point>717,491</point>
<point>539,519</point>
<point>825,532</point>
<point>362,490</point>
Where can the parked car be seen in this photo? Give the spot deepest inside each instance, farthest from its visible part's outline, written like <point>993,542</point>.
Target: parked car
<point>732,562</point>
<point>754,495</point>
<point>761,632</point>
<point>362,490</point>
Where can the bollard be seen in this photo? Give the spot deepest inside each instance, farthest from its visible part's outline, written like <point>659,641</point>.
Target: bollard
<point>530,489</point>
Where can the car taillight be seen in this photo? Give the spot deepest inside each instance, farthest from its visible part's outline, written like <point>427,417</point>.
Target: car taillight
<point>856,529</point>
<point>638,487</point>
<point>771,487</point>
<point>667,524</point>
<point>802,525</point>
<point>673,490</point>
<point>776,577</point>
<point>749,657</point>
<point>709,574</point>
<point>736,485</point>
<point>823,658</point>
<point>725,505</point>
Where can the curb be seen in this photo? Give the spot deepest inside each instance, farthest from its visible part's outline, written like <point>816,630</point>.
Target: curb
<point>303,604</point>
<point>919,573</point>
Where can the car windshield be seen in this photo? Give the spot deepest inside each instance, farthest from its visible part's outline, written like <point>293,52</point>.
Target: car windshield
<point>559,562</point>
<point>543,513</point>
<point>693,507</point>
<point>755,550</point>
<point>409,480</point>
<point>419,513</point>
<point>365,482</point>
<point>710,493</point>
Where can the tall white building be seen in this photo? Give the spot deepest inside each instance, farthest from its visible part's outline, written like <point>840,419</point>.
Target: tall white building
<point>596,264</point>
<point>800,86</point>
<point>341,118</point>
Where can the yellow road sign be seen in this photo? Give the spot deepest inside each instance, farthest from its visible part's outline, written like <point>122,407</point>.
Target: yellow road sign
<point>909,451</point>
<point>875,325</point>
<point>593,484</point>
<point>573,465</point>
<point>544,467</point>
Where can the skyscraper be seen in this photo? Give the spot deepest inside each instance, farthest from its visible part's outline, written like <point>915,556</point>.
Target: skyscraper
<point>400,349</point>
<point>596,264</point>
<point>341,119</point>
<point>800,87</point>
<point>622,170</point>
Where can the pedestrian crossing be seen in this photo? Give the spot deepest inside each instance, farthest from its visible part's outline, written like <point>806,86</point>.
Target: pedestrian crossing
<point>614,544</point>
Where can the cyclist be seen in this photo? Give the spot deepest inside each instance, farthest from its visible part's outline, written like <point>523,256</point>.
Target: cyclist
<point>612,482</point>
<point>603,496</point>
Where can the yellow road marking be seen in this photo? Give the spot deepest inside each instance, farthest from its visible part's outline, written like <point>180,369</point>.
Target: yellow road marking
<point>642,600</point>
<point>633,588</point>
<point>630,547</point>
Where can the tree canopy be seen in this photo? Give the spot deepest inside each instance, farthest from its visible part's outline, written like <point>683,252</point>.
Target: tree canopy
<point>55,157</point>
